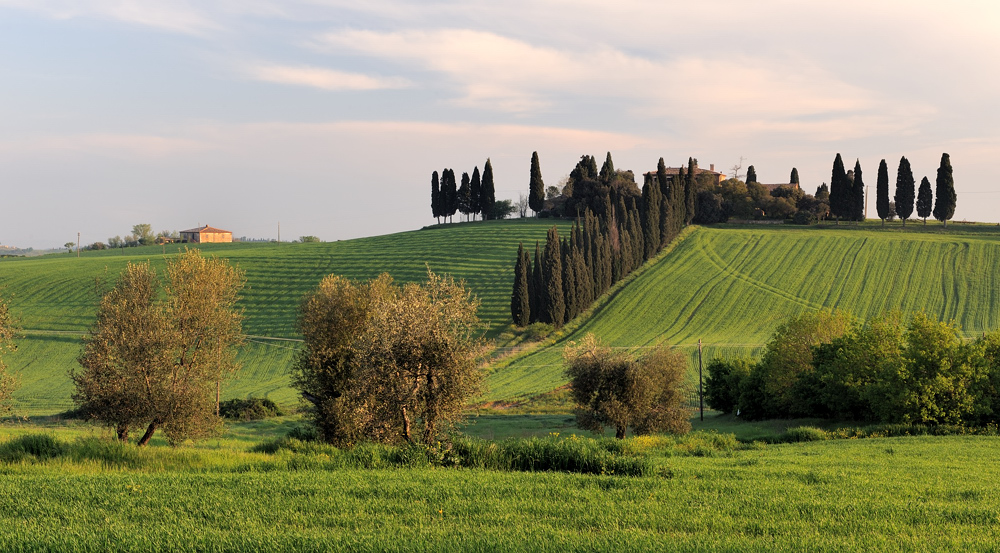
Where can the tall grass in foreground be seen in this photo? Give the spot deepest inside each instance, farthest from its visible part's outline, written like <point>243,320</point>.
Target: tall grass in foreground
<point>900,494</point>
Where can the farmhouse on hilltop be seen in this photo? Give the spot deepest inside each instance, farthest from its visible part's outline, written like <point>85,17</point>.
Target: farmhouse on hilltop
<point>674,171</point>
<point>206,234</point>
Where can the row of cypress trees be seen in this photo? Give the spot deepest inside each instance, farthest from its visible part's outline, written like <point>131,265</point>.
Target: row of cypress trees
<point>475,195</point>
<point>569,273</point>
<point>847,192</point>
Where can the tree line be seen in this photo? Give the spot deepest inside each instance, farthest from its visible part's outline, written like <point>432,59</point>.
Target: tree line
<point>618,227</point>
<point>476,195</point>
<point>886,370</point>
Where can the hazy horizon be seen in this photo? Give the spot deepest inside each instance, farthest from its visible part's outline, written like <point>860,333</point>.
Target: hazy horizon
<point>329,117</point>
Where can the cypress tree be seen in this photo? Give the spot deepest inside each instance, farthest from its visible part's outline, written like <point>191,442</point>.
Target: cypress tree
<point>536,188</point>
<point>839,194</point>
<point>537,286</point>
<point>751,174</point>
<point>475,185</point>
<point>607,170</point>
<point>793,179</point>
<point>666,208</point>
<point>607,264</point>
<point>882,192</point>
<point>690,194</point>
<point>858,194</point>
<point>553,301</point>
<point>677,186</point>
<point>465,196</point>
<point>568,282</point>
<point>944,208</point>
<point>924,200</point>
<point>904,190</point>
<point>487,192</point>
<point>520,298</point>
<point>449,194</point>
<point>584,280</point>
<point>435,197</point>
<point>650,217</point>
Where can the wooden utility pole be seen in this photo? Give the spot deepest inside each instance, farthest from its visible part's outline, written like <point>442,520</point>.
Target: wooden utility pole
<point>701,393</point>
<point>78,244</point>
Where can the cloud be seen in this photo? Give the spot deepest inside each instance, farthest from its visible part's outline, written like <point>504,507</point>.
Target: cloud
<point>695,93</point>
<point>177,16</point>
<point>326,79</point>
<point>109,145</point>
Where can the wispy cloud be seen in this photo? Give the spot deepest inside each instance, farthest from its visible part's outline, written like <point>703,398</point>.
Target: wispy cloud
<point>327,79</point>
<point>177,16</point>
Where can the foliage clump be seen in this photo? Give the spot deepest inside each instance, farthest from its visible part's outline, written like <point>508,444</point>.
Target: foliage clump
<point>388,363</point>
<point>8,330</point>
<point>618,390</point>
<point>157,352</point>
<point>250,409</point>
<point>885,371</point>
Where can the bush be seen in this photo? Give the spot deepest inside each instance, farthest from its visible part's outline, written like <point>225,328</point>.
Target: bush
<point>616,390</point>
<point>250,409</point>
<point>802,217</point>
<point>722,386</point>
<point>39,446</point>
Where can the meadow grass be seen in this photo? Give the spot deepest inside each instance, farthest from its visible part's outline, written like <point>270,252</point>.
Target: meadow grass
<point>884,494</point>
<point>732,286</point>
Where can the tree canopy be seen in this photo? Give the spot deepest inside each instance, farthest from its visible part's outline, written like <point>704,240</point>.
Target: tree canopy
<point>944,191</point>
<point>620,391</point>
<point>7,332</point>
<point>388,363</point>
<point>904,196</point>
<point>158,351</point>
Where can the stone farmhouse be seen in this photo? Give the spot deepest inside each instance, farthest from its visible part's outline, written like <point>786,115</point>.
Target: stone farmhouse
<point>206,234</point>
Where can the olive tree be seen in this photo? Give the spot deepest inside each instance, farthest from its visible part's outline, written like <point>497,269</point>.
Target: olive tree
<point>388,363</point>
<point>7,332</point>
<point>615,389</point>
<point>158,351</point>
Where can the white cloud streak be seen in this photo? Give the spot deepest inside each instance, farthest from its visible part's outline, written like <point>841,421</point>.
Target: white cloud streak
<point>326,79</point>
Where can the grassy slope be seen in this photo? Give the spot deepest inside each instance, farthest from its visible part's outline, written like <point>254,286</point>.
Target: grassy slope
<point>899,494</point>
<point>731,287</point>
<point>56,294</point>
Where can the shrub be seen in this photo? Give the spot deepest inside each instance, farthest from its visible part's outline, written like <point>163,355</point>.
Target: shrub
<point>39,446</point>
<point>722,386</point>
<point>614,389</point>
<point>250,409</point>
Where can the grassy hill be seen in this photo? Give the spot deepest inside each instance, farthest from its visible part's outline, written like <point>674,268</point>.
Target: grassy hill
<point>55,297</point>
<point>730,287</point>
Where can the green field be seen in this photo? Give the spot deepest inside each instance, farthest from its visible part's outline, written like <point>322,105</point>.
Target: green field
<point>728,286</point>
<point>884,494</point>
<point>731,287</point>
<point>55,298</point>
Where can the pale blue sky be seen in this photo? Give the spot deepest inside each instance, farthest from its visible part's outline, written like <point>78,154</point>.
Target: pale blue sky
<point>330,117</point>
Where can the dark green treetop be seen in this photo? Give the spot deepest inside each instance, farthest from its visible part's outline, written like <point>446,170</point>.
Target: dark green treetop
<point>944,209</point>
<point>882,192</point>
<point>487,193</point>
<point>536,188</point>
<point>924,200</point>
<point>904,195</point>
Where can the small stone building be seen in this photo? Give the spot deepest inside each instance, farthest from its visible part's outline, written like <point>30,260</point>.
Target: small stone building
<point>206,234</point>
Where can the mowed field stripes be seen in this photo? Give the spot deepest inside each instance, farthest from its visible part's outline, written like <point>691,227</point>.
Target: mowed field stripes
<point>731,287</point>
<point>57,293</point>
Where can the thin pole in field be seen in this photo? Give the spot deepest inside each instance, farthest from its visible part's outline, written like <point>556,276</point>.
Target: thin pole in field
<point>701,393</point>
<point>868,190</point>
<point>78,244</point>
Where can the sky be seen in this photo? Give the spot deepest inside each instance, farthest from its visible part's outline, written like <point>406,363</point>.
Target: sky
<point>327,117</point>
